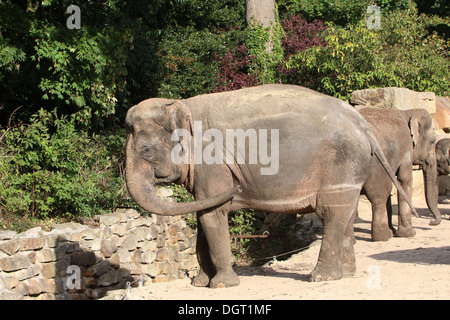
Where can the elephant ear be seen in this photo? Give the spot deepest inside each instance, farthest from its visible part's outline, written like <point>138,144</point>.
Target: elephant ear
<point>179,123</point>
<point>415,129</point>
<point>178,116</point>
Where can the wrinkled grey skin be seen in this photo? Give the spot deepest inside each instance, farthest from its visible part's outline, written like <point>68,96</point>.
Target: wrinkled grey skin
<point>325,148</point>
<point>406,138</point>
<point>443,156</point>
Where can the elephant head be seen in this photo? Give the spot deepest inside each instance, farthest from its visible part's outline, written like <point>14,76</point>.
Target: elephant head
<point>424,154</point>
<point>150,126</point>
<point>443,156</point>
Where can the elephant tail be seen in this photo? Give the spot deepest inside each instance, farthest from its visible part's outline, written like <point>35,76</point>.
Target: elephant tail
<point>376,150</point>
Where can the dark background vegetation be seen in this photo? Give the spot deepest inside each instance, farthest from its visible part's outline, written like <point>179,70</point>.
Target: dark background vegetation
<point>64,93</point>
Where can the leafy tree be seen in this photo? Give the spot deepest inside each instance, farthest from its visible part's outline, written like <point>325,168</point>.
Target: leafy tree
<point>234,70</point>
<point>191,60</point>
<point>340,12</point>
<point>49,64</point>
<point>401,54</point>
<point>300,36</point>
<point>437,7</point>
<point>49,168</point>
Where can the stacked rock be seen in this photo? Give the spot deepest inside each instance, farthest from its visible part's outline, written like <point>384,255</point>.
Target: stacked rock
<point>75,261</point>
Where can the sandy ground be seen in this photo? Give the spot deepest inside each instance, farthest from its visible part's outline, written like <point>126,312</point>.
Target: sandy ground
<point>414,268</point>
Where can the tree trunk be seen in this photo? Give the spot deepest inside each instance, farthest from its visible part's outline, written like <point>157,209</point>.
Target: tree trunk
<point>261,12</point>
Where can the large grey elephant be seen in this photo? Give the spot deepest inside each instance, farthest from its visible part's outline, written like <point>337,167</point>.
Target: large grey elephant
<point>274,148</point>
<point>406,138</point>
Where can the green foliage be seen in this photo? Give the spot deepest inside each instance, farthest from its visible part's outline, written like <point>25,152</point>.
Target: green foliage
<point>437,7</point>
<point>45,62</point>
<point>340,12</point>
<point>204,14</point>
<point>241,223</point>
<point>180,193</point>
<point>78,71</point>
<point>188,59</point>
<point>400,54</point>
<point>49,168</point>
<point>265,62</point>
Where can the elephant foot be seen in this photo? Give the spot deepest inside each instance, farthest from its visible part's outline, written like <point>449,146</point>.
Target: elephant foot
<point>225,279</point>
<point>381,234</point>
<point>321,274</point>
<point>348,266</point>
<point>201,280</point>
<point>405,232</point>
<point>348,271</point>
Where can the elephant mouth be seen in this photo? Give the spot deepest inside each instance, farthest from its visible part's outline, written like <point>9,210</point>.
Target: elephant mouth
<point>423,164</point>
<point>160,176</point>
<point>164,176</point>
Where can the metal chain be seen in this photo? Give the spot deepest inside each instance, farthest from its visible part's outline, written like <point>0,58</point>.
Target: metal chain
<point>126,295</point>
<point>274,258</point>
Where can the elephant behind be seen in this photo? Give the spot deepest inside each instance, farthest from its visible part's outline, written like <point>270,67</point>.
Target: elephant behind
<point>443,156</point>
<point>218,146</point>
<point>407,138</point>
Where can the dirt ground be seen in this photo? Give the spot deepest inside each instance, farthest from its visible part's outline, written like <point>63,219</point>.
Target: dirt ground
<point>411,269</point>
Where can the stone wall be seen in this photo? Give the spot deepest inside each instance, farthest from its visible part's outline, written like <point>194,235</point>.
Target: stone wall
<point>75,261</point>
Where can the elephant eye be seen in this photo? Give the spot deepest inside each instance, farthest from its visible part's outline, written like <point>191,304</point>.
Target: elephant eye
<point>432,142</point>
<point>148,151</point>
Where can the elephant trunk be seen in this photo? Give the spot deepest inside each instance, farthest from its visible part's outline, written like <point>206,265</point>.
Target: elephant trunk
<point>140,183</point>
<point>431,190</point>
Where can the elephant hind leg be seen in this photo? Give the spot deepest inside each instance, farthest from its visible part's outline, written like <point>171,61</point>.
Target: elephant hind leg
<point>337,257</point>
<point>348,254</point>
<point>381,226</point>
<point>378,190</point>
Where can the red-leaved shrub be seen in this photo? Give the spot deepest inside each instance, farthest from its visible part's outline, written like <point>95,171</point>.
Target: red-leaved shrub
<point>300,35</point>
<point>234,72</point>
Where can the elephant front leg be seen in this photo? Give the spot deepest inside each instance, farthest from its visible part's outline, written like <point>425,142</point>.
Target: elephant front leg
<point>213,240</point>
<point>207,269</point>
<point>214,253</point>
